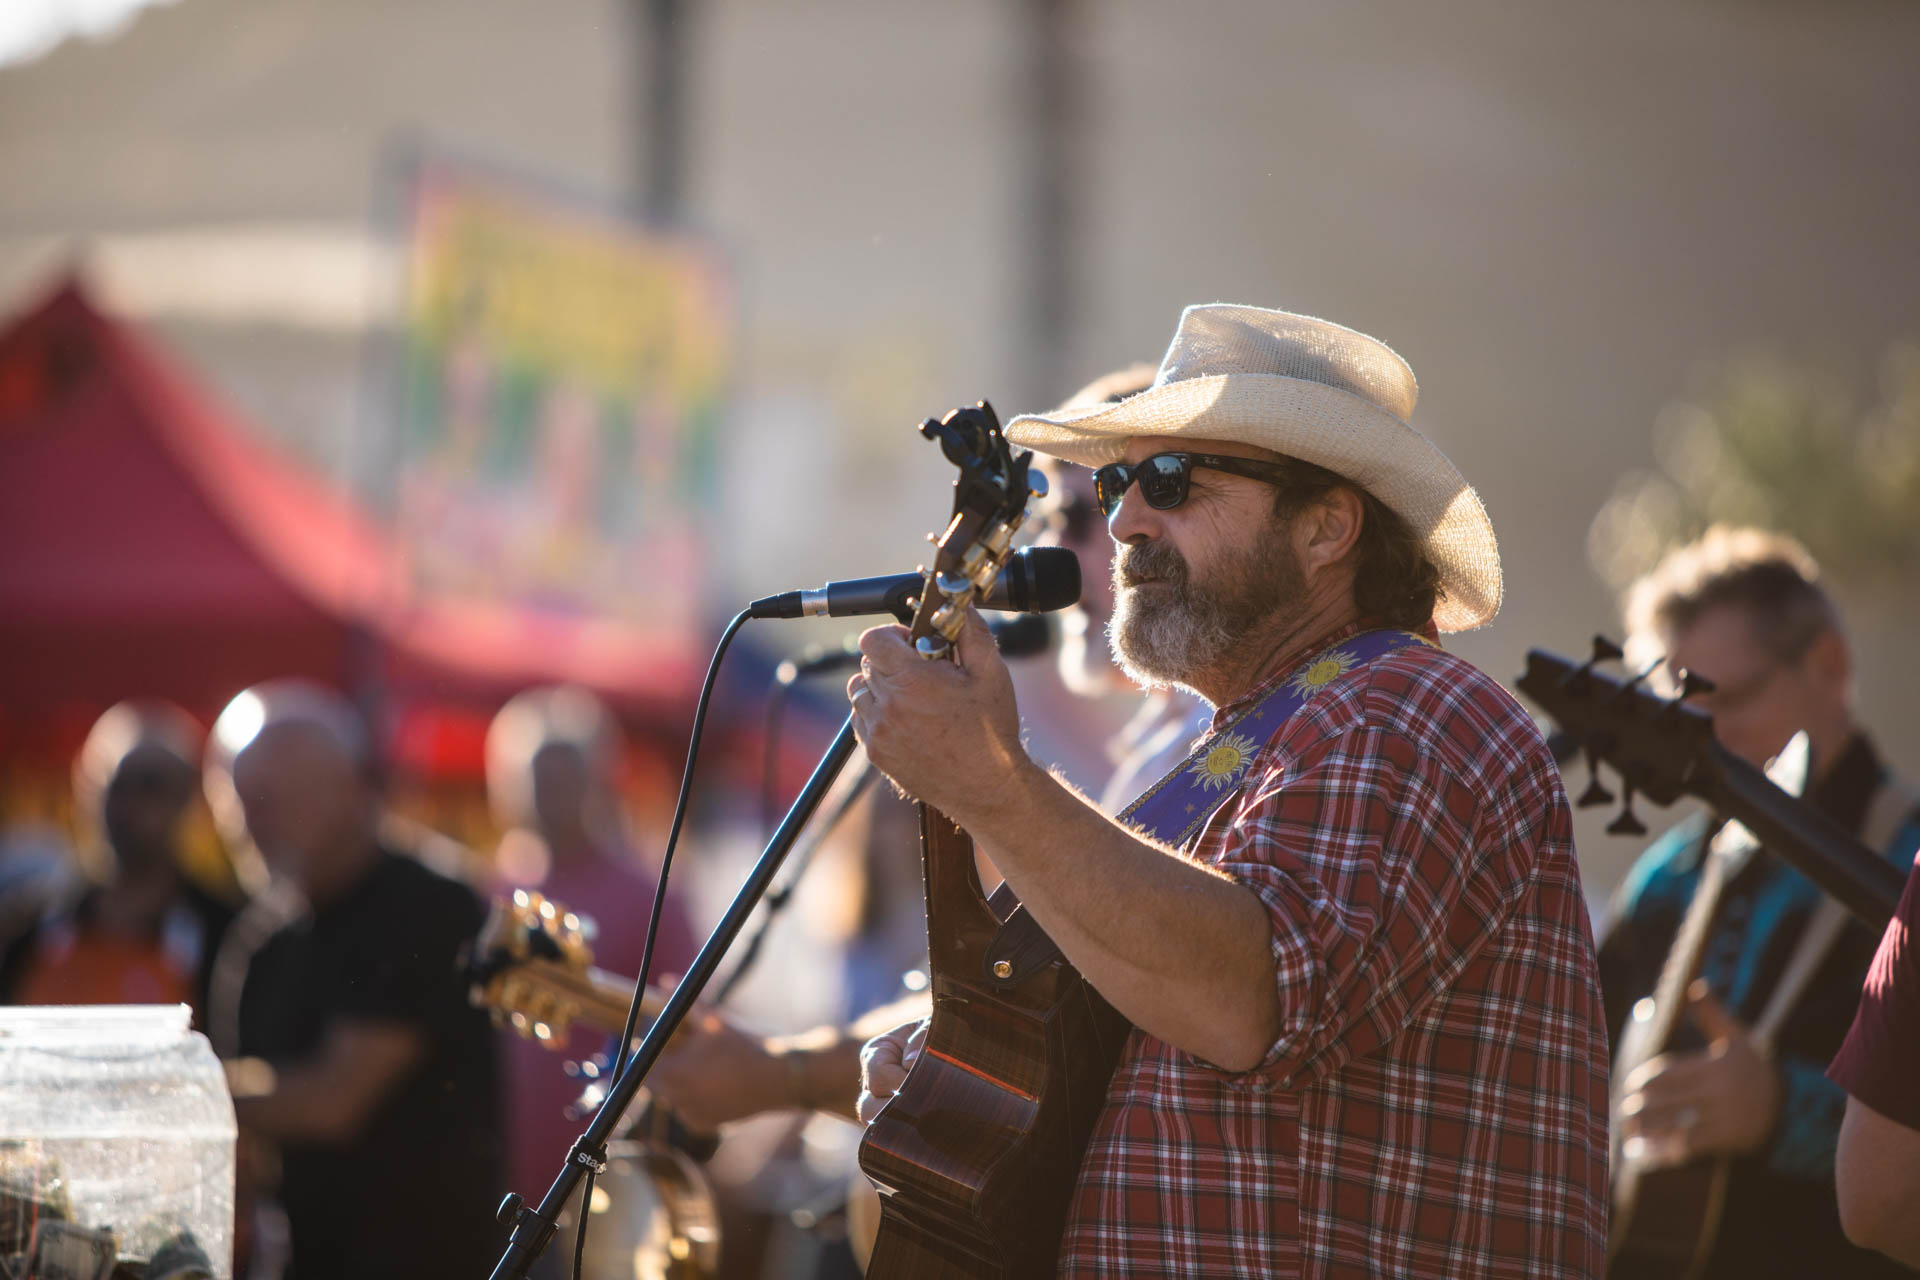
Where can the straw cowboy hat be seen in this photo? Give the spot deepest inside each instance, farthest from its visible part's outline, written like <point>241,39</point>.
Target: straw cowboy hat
<point>1312,390</point>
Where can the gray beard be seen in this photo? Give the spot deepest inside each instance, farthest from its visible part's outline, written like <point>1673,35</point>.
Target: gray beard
<point>1177,631</point>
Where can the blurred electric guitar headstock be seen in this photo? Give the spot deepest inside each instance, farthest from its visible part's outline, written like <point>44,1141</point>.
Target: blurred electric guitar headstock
<point>533,968</point>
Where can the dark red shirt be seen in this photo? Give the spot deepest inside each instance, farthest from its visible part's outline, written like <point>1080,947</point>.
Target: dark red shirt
<point>1436,1101</point>
<point>1879,1062</point>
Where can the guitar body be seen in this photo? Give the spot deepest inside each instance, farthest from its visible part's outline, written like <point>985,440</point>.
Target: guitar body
<point>976,1156</point>
<point>1665,1220</point>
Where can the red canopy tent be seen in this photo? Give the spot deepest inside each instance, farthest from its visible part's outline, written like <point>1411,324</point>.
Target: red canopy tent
<point>150,544</point>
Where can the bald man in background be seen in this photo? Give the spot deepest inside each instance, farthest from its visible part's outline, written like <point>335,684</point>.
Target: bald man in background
<point>366,1065</point>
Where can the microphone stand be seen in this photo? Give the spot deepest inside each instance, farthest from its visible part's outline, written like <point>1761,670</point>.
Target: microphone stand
<point>534,1228</point>
<point>859,783</point>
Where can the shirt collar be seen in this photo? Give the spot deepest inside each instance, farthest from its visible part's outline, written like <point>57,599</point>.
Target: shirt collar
<point>1844,793</point>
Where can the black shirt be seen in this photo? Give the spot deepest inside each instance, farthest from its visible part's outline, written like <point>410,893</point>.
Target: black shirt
<point>414,1195</point>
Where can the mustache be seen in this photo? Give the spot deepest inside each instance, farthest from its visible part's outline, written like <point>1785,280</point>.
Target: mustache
<point>1138,562</point>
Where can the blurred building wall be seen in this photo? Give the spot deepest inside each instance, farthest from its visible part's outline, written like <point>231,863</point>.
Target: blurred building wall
<point>1557,212</point>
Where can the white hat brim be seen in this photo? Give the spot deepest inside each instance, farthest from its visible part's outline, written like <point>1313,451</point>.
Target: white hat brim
<point>1324,425</point>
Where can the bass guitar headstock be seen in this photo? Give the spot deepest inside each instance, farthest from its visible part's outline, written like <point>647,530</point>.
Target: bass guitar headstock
<point>1660,747</point>
<point>989,504</point>
<point>1664,750</point>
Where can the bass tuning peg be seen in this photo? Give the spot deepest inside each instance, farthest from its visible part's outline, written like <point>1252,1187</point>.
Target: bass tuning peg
<point>1604,650</point>
<point>1633,681</point>
<point>1626,824</point>
<point>1691,684</point>
<point>1596,793</point>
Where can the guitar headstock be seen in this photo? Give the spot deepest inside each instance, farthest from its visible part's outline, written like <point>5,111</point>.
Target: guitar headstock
<point>989,504</point>
<point>1660,747</point>
<point>1664,750</point>
<point>528,965</point>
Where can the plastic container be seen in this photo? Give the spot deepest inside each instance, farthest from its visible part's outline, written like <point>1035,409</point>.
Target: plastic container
<point>116,1117</point>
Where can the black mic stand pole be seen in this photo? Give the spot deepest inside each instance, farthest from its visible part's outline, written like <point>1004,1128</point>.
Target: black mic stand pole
<point>534,1228</point>
<point>861,781</point>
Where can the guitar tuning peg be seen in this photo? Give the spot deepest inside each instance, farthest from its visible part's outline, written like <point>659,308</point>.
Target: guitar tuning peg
<point>1634,680</point>
<point>1604,650</point>
<point>1595,794</point>
<point>1691,684</point>
<point>1626,824</point>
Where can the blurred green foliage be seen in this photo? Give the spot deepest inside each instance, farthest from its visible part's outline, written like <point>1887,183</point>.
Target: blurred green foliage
<point>1786,446</point>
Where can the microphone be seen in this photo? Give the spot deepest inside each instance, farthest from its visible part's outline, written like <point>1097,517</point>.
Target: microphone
<point>1021,636</point>
<point>1035,580</point>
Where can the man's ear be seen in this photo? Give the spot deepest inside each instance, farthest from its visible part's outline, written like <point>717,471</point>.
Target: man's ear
<point>1829,662</point>
<point>1328,528</point>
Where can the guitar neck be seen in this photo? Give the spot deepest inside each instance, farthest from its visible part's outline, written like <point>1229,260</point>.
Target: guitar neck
<point>599,997</point>
<point>1857,877</point>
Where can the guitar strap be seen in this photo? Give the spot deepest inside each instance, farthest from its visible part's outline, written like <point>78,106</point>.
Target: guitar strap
<point>1175,808</point>
<point>1892,803</point>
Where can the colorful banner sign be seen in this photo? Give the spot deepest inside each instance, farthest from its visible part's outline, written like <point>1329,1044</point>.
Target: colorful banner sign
<point>563,379</point>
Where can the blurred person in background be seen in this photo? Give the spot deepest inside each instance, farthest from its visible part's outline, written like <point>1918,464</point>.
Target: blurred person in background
<point>363,1062</point>
<point>552,754</point>
<point>138,930</point>
<point>1878,1165</point>
<point>1744,608</point>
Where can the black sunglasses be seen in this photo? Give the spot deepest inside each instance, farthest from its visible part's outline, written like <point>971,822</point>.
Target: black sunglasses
<point>1163,477</point>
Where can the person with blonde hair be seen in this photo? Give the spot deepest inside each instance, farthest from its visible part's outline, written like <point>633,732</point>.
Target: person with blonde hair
<point>1746,1082</point>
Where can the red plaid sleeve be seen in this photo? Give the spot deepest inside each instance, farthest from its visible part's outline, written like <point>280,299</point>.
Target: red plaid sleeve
<point>1385,867</point>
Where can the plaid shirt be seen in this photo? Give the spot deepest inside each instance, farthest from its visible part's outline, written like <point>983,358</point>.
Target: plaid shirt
<point>1436,1102</point>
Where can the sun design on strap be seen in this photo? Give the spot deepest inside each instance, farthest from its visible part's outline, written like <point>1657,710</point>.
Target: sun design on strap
<point>1323,671</point>
<point>1224,762</point>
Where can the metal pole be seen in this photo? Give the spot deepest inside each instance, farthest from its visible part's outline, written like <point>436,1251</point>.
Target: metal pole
<point>1048,180</point>
<point>663,109</point>
<point>534,1227</point>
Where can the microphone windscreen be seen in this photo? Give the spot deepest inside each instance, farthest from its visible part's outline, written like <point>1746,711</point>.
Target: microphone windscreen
<point>1022,635</point>
<point>1042,579</point>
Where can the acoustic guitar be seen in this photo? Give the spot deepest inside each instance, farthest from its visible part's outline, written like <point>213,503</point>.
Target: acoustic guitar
<point>1665,1219</point>
<point>975,1156</point>
<point>533,968</point>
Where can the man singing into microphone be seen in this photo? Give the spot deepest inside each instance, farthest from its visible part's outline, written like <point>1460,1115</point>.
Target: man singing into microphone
<point>1368,1038</point>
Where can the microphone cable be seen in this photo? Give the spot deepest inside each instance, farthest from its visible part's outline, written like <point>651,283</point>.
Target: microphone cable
<point>585,1208</point>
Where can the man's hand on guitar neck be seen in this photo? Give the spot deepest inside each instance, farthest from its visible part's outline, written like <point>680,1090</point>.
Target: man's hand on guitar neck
<point>1721,1101</point>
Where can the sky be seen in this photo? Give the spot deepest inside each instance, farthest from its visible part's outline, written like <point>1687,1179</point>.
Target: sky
<point>29,28</point>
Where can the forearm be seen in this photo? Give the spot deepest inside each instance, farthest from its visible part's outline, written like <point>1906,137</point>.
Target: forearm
<point>819,1071</point>
<point>328,1097</point>
<point>1878,1180</point>
<point>1183,951</point>
<point>300,1103</point>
